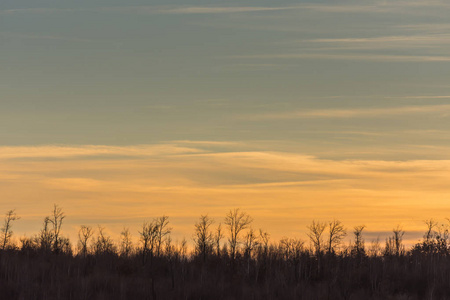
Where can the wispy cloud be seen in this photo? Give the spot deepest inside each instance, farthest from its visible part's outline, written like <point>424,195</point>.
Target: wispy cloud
<point>384,39</point>
<point>284,184</point>
<point>148,9</point>
<point>46,37</point>
<point>349,7</point>
<point>377,6</point>
<point>381,42</point>
<point>419,97</point>
<point>355,113</point>
<point>37,10</point>
<point>212,9</point>
<point>431,28</point>
<point>350,56</point>
<point>92,150</point>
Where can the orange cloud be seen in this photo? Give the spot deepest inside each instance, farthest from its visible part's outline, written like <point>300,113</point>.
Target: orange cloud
<point>282,191</point>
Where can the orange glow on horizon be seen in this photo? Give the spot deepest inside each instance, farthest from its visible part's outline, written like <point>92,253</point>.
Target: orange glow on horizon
<point>283,192</point>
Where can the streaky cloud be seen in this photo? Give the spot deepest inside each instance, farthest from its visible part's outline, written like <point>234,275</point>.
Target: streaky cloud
<point>149,9</point>
<point>60,151</point>
<point>356,57</point>
<point>353,113</point>
<point>213,9</point>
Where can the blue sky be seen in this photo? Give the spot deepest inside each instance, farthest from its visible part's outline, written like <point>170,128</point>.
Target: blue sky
<point>138,72</point>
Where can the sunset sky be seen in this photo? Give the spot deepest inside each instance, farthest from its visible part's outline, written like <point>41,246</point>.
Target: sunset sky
<point>122,111</point>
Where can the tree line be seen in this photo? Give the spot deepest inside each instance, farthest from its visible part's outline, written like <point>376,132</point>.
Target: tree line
<point>229,260</point>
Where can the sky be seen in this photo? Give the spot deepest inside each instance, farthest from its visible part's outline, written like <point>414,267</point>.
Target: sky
<point>122,111</point>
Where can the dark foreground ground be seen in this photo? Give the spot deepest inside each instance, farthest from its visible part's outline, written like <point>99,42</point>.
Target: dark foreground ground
<point>275,272</point>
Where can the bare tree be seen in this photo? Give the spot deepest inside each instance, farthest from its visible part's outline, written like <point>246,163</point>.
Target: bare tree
<point>236,222</point>
<point>45,237</point>
<point>291,248</point>
<point>148,238</point>
<point>6,231</point>
<point>183,249</point>
<point>169,248</point>
<point>217,238</point>
<point>398,238</point>
<point>163,230</point>
<point>264,237</point>
<point>431,224</point>
<point>250,242</point>
<point>103,244</point>
<point>56,220</point>
<point>84,234</point>
<point>203,237</point>
<point>375,248</point>
<point>358,247</point>
<point>337,233</point>
<point>315,233</point>
<point>65,245</point>
<point>126,243</point>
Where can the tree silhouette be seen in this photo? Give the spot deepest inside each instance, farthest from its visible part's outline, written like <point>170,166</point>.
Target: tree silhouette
<point>251,241</point>
<point>126,242</point>
<point>336,233</point>
<point>236,222</point>
<point>45,238</point>
<point>283,269</point>
<point>218,236</point>
<point>203,237</point>
<point>148,239</point>
<point>264,238</point>
<point>431,224</point>
<point>103,243</point>
<point>398,238</point>
<point>358,247</point>
<point>56,220</point>
<point>163,230</point>
<point>315,233</point>
<point>84,234</point>
<point>183,248</point>
<point>6,230</point>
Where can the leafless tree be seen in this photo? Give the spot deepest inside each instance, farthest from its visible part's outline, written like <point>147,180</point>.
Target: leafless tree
<point>103,244</point>
<point>358,247</point>
<point>169,248</point>
<point>264,237</point>
<point>84,234</point>
<point>431,224</point>
<point>336,234</point>
<point>250,242</point>
<point>45,237</point>
<point>183,248</point>
<point>218,236</point>
<point>203,237</point>
<point>6,231</point>
<point>163,231</point>
<point>126,243</point>
<point>315,233</point>
<point>375,248</point>
<point>148,239</point>
<point>398,238</point>
<point>56,220</point>
<point>236,222</point>
<point>291,248</point>
<point>65,246</point>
